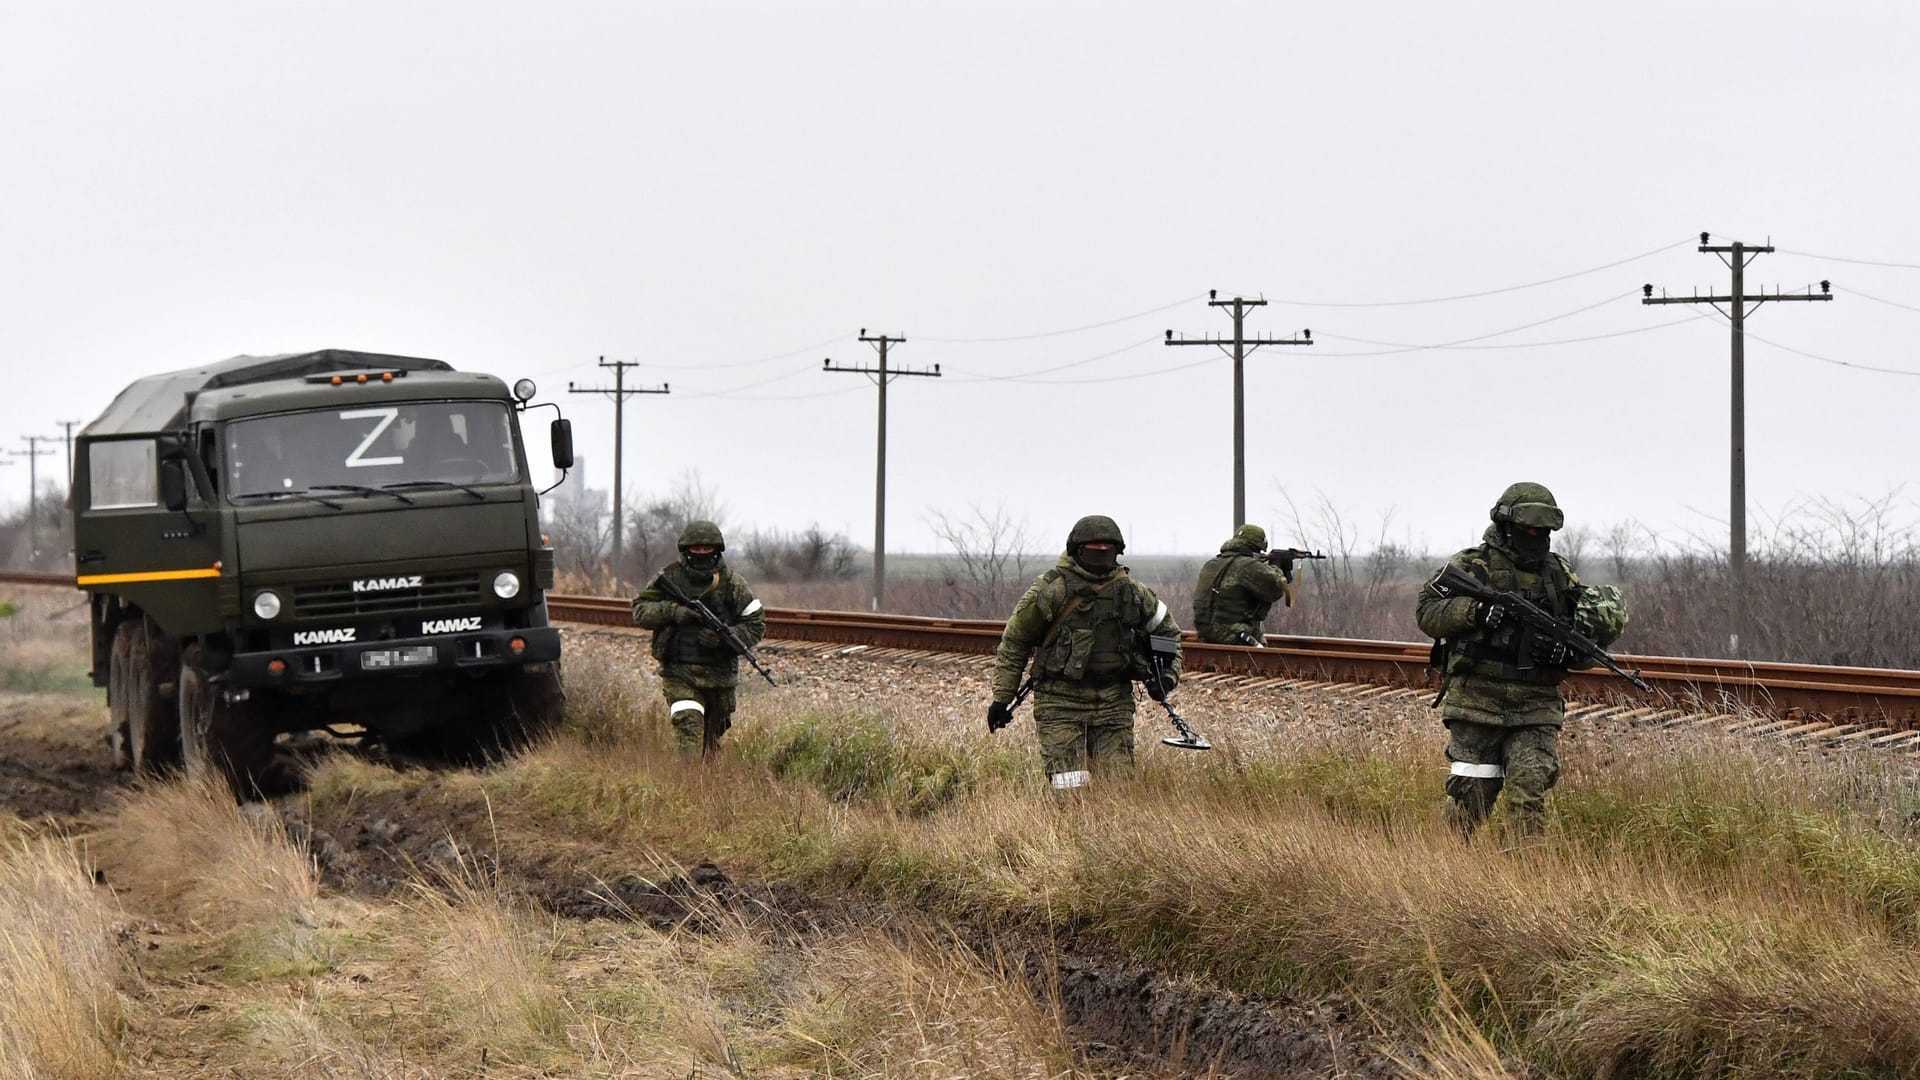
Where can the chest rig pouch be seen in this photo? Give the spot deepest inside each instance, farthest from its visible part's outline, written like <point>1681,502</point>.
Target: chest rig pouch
<point>679,643</point>
<point>1503,653</point>
<point>1089,641</point>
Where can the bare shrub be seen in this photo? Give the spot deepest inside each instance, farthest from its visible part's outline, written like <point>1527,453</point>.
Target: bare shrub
<point>653,526</point>
<point>812,554</point>
<point>990,567</point>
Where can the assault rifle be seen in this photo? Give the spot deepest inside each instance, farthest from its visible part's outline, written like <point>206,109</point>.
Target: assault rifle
<point>1535,623</point>
<point>714,623</point>
<point>1284,558</point>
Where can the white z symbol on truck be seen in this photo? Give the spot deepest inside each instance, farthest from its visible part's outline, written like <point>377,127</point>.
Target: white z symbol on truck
<point>386,416</point>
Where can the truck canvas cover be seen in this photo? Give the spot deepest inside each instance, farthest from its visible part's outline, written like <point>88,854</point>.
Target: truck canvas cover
<point>159,403</point>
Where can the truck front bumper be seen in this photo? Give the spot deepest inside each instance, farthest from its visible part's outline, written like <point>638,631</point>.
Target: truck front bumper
<point>476,650</point>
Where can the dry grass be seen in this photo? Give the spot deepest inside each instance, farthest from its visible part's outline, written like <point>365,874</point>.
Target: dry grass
<point>1690,905</point>
<point>210,860</point>
<point>60,1014</point>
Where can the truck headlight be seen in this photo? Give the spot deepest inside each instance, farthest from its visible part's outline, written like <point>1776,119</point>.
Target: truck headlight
<point>506,584</point>
<point>266,604</point>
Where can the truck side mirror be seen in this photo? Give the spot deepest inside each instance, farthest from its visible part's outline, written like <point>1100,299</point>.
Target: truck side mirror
<point>561,434</point>
<point>173,484</point>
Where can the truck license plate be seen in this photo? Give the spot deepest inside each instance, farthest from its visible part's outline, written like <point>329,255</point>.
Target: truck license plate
<point>409,656</point>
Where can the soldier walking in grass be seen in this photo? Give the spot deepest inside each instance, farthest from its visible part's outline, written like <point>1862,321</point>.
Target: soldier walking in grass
<point>1085,622</point>
<point>1238,587</point>
<point>699,669</point>
<point>1501,699</point>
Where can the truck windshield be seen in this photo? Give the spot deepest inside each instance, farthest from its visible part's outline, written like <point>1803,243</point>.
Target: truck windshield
<point>455,442</point>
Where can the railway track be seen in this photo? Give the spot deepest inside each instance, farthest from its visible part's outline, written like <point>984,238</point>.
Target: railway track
<point>1841,702</point>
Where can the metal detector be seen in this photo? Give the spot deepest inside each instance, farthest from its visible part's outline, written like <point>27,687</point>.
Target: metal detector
<point>1160,651</point>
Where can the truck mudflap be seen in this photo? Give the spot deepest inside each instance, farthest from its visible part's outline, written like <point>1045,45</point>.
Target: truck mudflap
<point>478,650</point>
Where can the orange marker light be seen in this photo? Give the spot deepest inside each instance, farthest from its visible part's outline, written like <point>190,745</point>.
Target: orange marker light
<point>336,380</point>
<point>517,645</point>
<point>386,376</point>
<point>361,378</point>
<point>276,667</point>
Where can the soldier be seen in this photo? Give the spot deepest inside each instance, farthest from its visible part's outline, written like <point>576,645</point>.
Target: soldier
<point>1237,588</point>
<point>1502,709</point>
<point>698,669</point>
<point>1085,622</point>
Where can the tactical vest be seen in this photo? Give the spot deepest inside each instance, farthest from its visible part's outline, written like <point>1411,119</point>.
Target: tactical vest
<point>1217,607</point>
<point>679,643</point>
<point>1496,654</point>
<point>1093,643</point>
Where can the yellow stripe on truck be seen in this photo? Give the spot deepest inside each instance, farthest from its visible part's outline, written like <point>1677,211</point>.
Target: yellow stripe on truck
<point>145,575</point>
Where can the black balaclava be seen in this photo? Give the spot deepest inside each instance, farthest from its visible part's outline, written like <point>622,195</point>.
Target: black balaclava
<point>701,564</point>
<point>1097,561</point>
<point>1529,551</point>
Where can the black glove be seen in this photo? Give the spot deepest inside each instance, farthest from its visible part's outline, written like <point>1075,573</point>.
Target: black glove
<point>684,614</point>
<point>1157,689</point>
<point>709,637</point>
<point>1488,615</point>
<point>1549,652</point>
<point>999,715</point>
<point>1284,561</point>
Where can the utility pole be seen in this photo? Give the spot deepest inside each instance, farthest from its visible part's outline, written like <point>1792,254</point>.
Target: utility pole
<point>1237,347</point>
<point>881,376</point>
<point>1736,256</point>
<point>69,425</point>
<point>619,393</point>
<point>32,453</point>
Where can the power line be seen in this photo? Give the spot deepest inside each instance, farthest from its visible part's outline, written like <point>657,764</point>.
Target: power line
<point>1460,342</point>
<point>1021,375</point>
<point>1550,343</point>
<point>1831,360</point>
<point>1855,262</point>
<point>1488,292</point>
<point>1879,300</point>
<point>1067,330</point>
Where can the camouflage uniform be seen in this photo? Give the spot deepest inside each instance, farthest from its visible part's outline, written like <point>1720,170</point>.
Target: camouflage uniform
<point>1236,589</point>
<point>698,671</point>
<point>1084,621</point>
<point>1503,711</point>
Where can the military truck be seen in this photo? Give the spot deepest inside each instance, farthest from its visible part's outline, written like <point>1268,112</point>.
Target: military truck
<point>329,541</point>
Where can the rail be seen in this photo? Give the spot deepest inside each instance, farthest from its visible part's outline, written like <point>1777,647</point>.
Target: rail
<point>1787,691</point>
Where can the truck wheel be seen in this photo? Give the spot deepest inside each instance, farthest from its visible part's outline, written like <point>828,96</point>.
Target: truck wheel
<point>119,661</point>
<point>532,708</point>
<point>229,740</point>
<point>152,717</point>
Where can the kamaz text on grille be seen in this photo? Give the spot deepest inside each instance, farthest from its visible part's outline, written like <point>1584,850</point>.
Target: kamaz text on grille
<point>386,584</point>
<point>450,626</point>
<point>334,636</point>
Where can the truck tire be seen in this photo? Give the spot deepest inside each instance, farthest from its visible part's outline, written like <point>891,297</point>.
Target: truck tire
<point>153,717</point>
<point>119,662</point>
<point>535,702</point>
<point>228,740</point>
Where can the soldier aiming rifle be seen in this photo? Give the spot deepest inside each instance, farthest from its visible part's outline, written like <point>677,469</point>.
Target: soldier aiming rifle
<point>1239,586</point>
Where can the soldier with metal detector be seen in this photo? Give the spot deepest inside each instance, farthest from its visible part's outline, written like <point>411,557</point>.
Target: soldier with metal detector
<point>1092,631</point>
<point>1510,620</point>
<point>1238,587</point>
<point>705,620</point>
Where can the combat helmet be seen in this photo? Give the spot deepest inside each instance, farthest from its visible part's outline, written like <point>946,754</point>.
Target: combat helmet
<point>701,534</point>
<point>704,533</point>
<point>1095,527</point>
<point>1527,504</point>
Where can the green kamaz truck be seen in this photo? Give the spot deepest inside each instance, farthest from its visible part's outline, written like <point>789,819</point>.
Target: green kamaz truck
<point>338,541</point>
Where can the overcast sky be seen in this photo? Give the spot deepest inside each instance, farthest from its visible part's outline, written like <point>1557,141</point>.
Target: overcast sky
<point>727,193</point>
